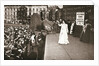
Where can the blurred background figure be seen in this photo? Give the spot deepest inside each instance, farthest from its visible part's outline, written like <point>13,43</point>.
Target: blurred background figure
<point>72,27</point>
<point>69,26</point>
<point>85,35</point>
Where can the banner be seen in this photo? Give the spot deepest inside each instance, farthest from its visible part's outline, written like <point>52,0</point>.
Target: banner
<point>80,18</point>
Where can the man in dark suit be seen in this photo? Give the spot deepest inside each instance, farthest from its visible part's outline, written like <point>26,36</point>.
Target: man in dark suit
<point>69,26</point>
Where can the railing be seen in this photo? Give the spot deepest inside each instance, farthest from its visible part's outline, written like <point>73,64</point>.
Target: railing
<point>15,25</point>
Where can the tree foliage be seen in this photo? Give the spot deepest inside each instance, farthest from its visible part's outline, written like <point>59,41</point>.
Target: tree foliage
<point>22,13</point>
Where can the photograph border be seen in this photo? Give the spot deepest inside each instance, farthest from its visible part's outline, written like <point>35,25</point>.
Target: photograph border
<point>49,62</point>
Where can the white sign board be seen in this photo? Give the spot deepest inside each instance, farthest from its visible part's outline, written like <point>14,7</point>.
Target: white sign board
<point>80,18</point>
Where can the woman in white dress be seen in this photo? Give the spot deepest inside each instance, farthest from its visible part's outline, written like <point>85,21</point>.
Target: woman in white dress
<point>63,37</point>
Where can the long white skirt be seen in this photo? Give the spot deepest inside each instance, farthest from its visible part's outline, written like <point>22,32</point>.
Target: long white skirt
<point>63,38</point>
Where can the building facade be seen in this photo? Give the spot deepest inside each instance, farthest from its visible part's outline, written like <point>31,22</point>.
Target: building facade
<point>35,9</point>
<point>11,11</point>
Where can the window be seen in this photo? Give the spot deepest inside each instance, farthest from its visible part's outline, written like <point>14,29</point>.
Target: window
<point>5,15</point>
<point>29,11</point>
<point>33,9</point>
<point>44,9</point>
<point>37,9</point>
<point>5,9</point>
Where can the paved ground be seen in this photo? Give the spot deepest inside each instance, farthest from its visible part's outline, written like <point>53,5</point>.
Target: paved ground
<point>75,50</point>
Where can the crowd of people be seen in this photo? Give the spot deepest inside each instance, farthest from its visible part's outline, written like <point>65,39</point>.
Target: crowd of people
<point>18,44</point>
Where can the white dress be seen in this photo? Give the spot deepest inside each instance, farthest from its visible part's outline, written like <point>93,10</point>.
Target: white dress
<point>63,37</point>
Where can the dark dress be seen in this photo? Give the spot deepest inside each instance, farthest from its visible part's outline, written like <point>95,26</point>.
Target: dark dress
<point>85,36</point>
<point>77,31</point>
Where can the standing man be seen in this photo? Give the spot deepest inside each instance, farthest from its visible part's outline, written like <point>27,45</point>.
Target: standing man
<point>69,26</point>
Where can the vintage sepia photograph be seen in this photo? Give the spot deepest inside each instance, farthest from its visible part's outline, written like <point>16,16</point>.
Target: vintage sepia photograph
<point>48,32</point>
